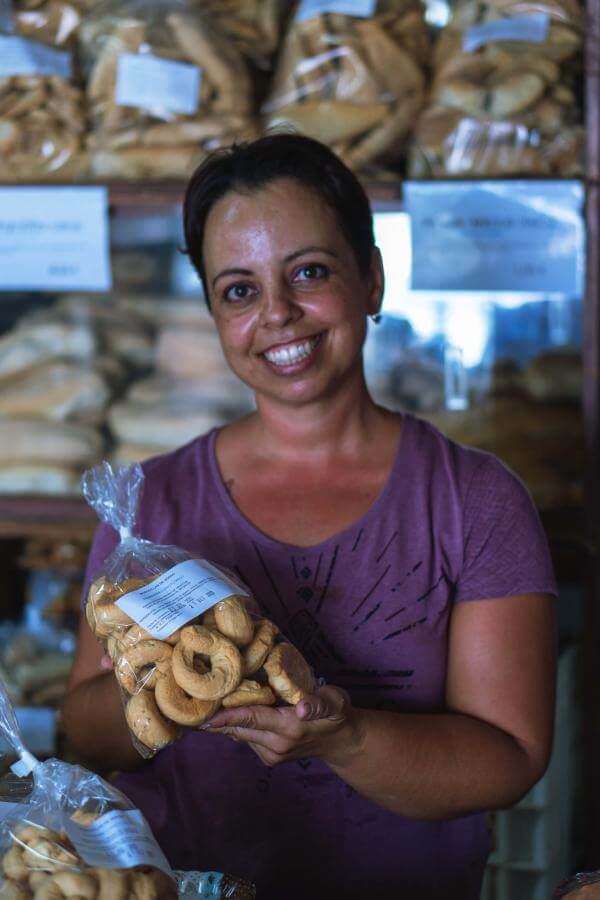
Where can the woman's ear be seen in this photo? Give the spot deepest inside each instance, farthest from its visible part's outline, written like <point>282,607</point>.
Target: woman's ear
<point>376,283</point>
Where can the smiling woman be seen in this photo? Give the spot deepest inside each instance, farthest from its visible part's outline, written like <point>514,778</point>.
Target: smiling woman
<point>411,572</point>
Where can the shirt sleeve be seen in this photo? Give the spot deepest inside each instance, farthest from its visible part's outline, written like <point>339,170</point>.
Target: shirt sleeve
<point>505,550</point>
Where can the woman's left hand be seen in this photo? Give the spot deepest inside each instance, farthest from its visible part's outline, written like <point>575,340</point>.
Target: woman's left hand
<point>324,725</point>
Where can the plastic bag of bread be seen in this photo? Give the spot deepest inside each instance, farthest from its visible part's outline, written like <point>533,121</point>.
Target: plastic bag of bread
<point>42,121</point>
<point>355,81</point>
<point>70,834</point>
<point>164,87</point>
<point>184,635</point>
<point>504,98</point>
<point>53,22</point>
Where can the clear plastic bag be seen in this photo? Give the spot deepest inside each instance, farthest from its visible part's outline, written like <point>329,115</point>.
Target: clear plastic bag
<point>254,26</point>
<point>42,121</point>
<point>355,82</point>
<point>164,86</point>
<point>505,96</point>
<point>185,637</point>
<point>69,833</point>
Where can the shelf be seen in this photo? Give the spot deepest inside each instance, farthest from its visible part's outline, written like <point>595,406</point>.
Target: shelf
<point>41,516</point>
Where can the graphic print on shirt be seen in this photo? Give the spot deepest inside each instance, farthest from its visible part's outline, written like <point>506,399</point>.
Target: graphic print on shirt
<point>391,605</point>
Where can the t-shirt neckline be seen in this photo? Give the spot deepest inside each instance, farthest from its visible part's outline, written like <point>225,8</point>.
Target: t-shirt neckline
<point>258,536</point>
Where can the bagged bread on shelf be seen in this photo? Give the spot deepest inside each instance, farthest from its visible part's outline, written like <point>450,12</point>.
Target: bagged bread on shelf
<point>73,834</point>
<point>43,442</point>
<point>185,637</point>
<point>164,86</point>
<point>504,98</point>
<point>54,390</point>
<point>42,120</point>
<point>354,81</point>
<point>39,339</point>
<point>52,22</point>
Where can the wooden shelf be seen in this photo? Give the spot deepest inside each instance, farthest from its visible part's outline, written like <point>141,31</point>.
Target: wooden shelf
<point>46,516</point>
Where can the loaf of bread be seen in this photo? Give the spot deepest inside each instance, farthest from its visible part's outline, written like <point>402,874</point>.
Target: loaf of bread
<point>36,440</point>
<point>503,106</point>
<point>353,82</point>
<point>54,390</point>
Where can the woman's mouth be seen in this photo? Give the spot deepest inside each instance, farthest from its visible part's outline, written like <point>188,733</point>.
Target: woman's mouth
<point>293,353</point>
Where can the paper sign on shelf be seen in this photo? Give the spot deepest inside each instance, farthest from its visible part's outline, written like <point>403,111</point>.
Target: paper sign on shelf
<point>150,82</point>
<point>178,595</point>
<point>520,236</point>
<point>19,56</point>
<point>54,238</point>
<point>120,838</point>
<point>359,8</point>
<point>514,28</point>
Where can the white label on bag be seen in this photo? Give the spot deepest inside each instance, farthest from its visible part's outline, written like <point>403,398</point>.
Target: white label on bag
<point>150,82</point>
<point>119,839</point>
<point>515,28</point>
<point>176,596</point>
<point>19,56</point>
<point>308,9</point>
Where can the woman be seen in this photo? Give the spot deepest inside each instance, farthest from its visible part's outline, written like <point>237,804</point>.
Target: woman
<point>412,573</point>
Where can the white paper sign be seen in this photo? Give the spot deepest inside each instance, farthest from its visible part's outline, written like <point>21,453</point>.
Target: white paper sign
<point>19,56</point>
<point>150,82</point>
<point>181,594</point>
<point>515,28</point>
<point>519,236</point>
<point>119,839</point>
<point>308,9</point>
<point>54,238</point>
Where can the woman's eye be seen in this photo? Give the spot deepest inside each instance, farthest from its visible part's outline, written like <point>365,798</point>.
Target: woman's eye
<point>237,292</point>
<point>310,272</point>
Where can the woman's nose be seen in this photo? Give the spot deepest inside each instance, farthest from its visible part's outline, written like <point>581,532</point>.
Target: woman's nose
<point>279,308</point>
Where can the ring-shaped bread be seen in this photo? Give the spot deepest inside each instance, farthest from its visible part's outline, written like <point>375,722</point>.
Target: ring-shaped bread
<point>67,884</point>
<point>113,884</point>
<point>225,672</point>
<point>250,693</point>
<point>147,723</point>
<point>233,620</point>
<point>289,674</point>
<point>140,665</point>
<point>13,890</point>
<point>255,654</point>
<point>180,707</point>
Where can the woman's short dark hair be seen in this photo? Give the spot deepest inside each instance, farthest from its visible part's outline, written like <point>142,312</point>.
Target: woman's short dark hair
<point>247,167</point>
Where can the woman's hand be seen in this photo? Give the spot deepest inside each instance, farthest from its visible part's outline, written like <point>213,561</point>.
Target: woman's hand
<point>323,726</point>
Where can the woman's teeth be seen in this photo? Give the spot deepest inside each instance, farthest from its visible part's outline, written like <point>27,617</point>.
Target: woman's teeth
<point>293,353</point>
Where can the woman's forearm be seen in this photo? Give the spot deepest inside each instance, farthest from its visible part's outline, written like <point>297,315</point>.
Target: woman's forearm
<point>94,724</point>
<point>434,766</point>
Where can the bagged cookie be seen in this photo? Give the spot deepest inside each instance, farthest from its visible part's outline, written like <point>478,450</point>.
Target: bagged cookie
<point>185,636</point>
<point>164,86</point>
<point>70,834</point>
<point>352,75</point>
<point>505,93</point>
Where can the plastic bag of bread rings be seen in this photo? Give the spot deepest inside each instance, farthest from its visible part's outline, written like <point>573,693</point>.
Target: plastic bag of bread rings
<point>355,81</point>
<point>505,94</point>
<point>164,87</point>
<point>184,635</point>
<point>71,834</point>
<point>254,26</point>
<point>42,119</point>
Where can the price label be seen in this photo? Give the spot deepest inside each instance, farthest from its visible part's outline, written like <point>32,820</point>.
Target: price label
<point>518,236</point>
<point>54,238</point>
<point>150,82</point>
<point>514,28</point>
<point>118,839</point>
<point>308,9</point>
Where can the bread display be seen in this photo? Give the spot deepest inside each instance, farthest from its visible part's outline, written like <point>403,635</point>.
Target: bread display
<point>253,26</point>
<point>353,82</point>
<point>504,101</point>
<point>164,86</point>
<point>42,115</point>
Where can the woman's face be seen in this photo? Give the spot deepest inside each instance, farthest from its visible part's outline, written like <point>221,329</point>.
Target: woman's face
<point>288,300</point>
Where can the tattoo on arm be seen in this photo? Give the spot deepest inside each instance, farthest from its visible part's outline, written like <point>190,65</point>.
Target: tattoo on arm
<point>229,485</point>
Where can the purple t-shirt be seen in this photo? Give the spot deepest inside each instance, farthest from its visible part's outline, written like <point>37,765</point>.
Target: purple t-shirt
<point>369,608</point>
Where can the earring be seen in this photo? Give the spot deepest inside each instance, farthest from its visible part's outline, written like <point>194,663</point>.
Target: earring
<point>375,318</point>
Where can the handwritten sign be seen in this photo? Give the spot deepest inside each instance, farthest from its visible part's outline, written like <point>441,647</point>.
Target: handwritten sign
<point>54,238</point>
<point>522,236</point>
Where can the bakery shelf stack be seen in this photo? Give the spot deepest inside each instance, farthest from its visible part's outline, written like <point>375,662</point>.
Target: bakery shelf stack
<point>42,113</point>
<point>505,93</point>
<point>189,390</point>
<point>354,81</point>
<point>164,86</point>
